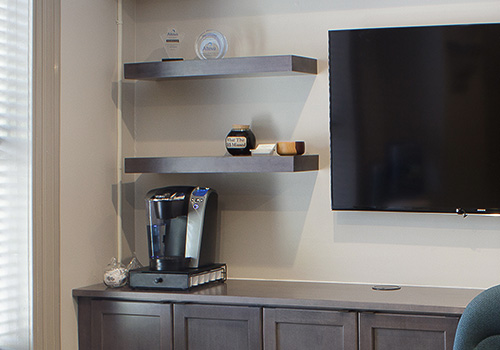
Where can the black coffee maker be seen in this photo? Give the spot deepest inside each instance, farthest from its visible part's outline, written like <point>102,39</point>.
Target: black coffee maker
<point>182,239</point>
<point>182,227</point>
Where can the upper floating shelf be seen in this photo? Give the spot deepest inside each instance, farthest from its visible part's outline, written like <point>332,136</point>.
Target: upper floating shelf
<point>225,67</point>
<point>223,164</point>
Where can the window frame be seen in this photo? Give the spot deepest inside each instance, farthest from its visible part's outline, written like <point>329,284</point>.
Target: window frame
<point>46,164</point>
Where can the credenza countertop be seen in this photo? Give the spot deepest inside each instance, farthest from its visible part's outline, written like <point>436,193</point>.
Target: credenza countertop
<point>292,294</point>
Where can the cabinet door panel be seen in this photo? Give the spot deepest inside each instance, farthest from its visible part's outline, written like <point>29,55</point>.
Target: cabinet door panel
<point>128,325</point>
<point>209,327</point>
<point>388,332</point>
<point>287,329</point>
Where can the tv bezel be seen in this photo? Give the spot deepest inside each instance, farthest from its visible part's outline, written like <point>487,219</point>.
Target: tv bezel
<point>458,210</point>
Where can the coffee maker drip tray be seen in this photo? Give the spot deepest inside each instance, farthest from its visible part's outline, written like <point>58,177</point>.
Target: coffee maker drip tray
<point>178,279</point>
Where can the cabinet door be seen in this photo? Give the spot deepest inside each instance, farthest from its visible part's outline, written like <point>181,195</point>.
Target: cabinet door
<point>287,329</point>
<point>211,327</point>
<point>130,326</point>
<point>388,332</point>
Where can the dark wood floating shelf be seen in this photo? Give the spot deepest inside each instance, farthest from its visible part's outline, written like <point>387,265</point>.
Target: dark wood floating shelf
<point>224,164</point>
<point>234,66</point>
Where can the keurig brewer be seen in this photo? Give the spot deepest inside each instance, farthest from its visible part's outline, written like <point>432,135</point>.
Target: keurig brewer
<point>182,238</point>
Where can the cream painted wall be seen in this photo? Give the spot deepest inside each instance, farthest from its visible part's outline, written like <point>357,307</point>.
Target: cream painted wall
<point>274,226</point>
<point>279,226</point>
<point>88,150</point>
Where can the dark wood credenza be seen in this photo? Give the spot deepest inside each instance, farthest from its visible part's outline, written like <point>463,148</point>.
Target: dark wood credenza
<point>250,314</point>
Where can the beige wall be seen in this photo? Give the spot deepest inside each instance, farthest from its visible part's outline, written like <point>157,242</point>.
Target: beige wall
<point>279,226</point>
<point>88,150</point>
<point>274,226</point>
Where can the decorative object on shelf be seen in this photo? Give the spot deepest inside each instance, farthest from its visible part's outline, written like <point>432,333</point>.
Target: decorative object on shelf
<point>172,41</point>
<point>133,264</point>
<point>240,140</point>
<point>295,148</point>
<point>264,149</point>
<point>211,44</point>
<point>115,274</point>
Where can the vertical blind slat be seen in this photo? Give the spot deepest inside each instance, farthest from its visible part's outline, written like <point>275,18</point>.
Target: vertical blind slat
<point>15,170</point>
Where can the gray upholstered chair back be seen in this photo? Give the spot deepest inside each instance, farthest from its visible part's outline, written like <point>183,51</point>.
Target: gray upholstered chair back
<point>479,326</point>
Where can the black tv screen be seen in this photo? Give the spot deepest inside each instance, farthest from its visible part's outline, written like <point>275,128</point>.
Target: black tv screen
<point>415,118</point>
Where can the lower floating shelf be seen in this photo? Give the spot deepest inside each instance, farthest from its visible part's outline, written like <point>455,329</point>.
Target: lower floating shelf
<point>224,164</point>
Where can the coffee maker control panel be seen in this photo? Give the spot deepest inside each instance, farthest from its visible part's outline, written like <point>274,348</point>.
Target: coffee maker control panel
<point>198,196</point>
<point>200,191</point>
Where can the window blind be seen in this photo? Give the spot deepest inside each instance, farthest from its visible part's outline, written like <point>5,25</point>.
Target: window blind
<point>15,174</point>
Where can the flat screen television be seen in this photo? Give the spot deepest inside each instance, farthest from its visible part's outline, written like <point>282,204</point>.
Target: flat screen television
<point>415,118</point>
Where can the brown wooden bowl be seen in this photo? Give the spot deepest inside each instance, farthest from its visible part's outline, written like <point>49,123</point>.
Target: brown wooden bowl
<point>292,148</point>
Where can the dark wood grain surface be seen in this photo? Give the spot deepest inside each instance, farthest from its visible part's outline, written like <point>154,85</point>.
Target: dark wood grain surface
<point>222,164</point>
<point>334,296</point>
<point>226,67</point>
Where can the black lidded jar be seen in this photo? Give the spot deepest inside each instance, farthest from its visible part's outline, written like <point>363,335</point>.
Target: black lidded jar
<point>240,140</point>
